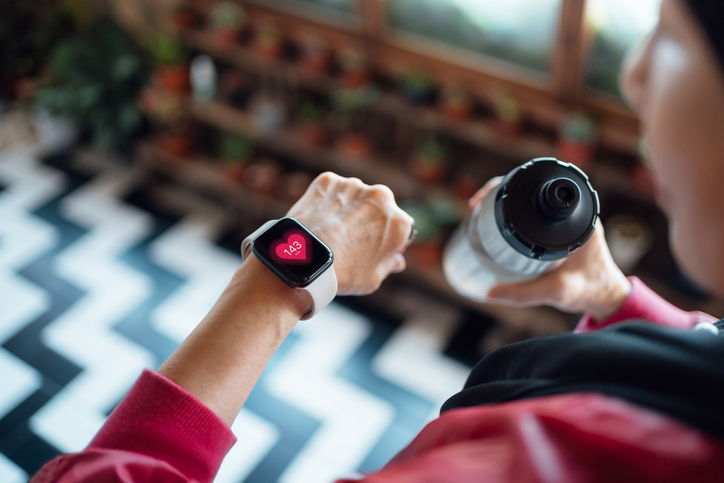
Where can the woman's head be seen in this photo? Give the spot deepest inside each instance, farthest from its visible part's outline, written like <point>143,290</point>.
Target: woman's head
<point>675,81</point>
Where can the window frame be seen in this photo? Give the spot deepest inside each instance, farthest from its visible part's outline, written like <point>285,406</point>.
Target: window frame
<point>547,102</point>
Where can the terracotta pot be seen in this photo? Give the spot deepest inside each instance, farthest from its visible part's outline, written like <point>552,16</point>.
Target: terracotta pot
<point>456,111</point>
<point>356,78</point>
<point>184,20</point>
<point>427,170</point>
<point>234,171</point>
<point>263,177</point>
<point>270,51</point>
<point>314,134</point>
<point>230,36</point>
<point>317,63</point>
<point>642,180</point>
<point>427,253</point>
<point>578,153</point>
<point>172,78</point>
<point>175,144</point>
<point>509,129</point>
<point>357,145</point>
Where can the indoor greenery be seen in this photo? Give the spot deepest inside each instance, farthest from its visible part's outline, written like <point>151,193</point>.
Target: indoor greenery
<point>95,79</point>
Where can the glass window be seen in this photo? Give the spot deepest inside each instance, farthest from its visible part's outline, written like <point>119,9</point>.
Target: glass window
<point>344,10</point>
<point>519,31</point>
<point>619,25</point>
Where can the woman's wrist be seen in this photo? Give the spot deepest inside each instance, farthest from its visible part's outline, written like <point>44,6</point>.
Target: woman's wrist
<point>254,276</point>
<point>612,299</point>
<point>224,356</point>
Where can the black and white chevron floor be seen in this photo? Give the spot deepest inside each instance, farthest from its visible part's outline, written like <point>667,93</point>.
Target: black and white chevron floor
<point>99,279</point>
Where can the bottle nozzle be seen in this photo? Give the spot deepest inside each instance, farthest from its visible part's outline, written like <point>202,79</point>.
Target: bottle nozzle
<point>558,198</point>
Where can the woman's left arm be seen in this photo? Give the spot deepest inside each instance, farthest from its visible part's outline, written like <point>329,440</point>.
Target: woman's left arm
<point>220,362</point>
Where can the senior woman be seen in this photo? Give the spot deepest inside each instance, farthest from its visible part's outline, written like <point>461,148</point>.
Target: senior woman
<point>630,402</point>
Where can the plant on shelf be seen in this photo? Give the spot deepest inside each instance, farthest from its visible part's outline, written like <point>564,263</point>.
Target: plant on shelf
<point>269,42</point>
<point>508,115</point>
<point>294,185</point>
<point>468,180</point>
<point>171,123</point>
<point>348,120</point>
<point>354,70</point>
<point>96,79</point>
<point>184,15</point>
<point>577,139</point>
<point>171,71</point>
<point>314,56</point>
<point>455,103</point>
<point>428,164</point>
<point>309,123</point>
<point>417,86</point>
<point>227,20</point>
<point>262,177</point>
<point>427,248</point>
<point>29,31</point>
<point>235,151</point>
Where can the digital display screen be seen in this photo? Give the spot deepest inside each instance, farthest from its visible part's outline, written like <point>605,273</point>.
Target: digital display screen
<point>292,252</point>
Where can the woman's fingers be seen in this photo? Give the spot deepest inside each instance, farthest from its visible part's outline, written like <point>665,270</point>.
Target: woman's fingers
<point>483,192</point>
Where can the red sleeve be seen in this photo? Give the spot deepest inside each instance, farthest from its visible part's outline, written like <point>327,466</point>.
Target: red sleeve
<point>566,438</point>
<point>159,432</point>
<point>644,304</point>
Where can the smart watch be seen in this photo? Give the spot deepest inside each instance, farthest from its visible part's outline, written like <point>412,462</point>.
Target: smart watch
<point>297,257</point>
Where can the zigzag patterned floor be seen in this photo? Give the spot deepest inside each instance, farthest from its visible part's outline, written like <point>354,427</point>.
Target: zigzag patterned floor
<point>99,279</point>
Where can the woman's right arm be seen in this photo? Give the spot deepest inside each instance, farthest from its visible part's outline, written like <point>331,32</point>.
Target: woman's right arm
<point>589,281</point>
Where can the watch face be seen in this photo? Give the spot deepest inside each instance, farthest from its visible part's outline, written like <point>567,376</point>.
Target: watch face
<point>292,252</point>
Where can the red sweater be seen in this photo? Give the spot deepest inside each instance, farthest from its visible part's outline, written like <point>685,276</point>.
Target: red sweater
<point>161,433</point>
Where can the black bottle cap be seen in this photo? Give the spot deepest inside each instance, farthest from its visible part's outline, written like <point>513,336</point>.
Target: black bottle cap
<point>546,208</point>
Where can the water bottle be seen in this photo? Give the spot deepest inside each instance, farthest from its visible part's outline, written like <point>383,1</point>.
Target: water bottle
<point>540,213</point>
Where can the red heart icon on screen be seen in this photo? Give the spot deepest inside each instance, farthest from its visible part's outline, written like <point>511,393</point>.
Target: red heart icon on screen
<point>293,248</point>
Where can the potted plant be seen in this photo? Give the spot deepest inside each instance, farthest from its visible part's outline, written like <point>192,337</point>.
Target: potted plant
<point>294,185</point>
<point>310,124</point>
<point>315,56</point>
<point>355,73</point>
<point>468,180</point>
<point>508,115</point>
<point>235,151</point>
<point>428,164</point>
<point>262,177</point>
<point>427,248</point>
<point>95,80</point>
<point>227,21</point>
<point>269,42</point>
<point>455,103</point>
<point>171,71</point>
<point>184,15</point>
<point>577,139</point>
<point>173,134</point>
<point>349,121</point>
<point>416,86</point>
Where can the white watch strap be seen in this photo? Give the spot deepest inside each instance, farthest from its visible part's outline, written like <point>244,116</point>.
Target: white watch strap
<point>323,289</point>
<point>246,244</point>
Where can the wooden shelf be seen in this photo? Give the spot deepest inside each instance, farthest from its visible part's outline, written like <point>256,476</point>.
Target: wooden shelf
<point>477,132</point>
<point>205,176</point>
<point>286,142</point>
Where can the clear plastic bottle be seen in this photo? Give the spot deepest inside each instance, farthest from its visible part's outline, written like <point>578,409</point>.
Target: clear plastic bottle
<point>540,213</point>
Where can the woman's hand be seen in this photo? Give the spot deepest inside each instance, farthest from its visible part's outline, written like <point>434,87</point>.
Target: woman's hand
<point>363,226</point>
<point>588,280</point>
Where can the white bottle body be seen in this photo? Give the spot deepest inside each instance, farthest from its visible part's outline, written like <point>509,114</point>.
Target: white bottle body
<point>477,257</point>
